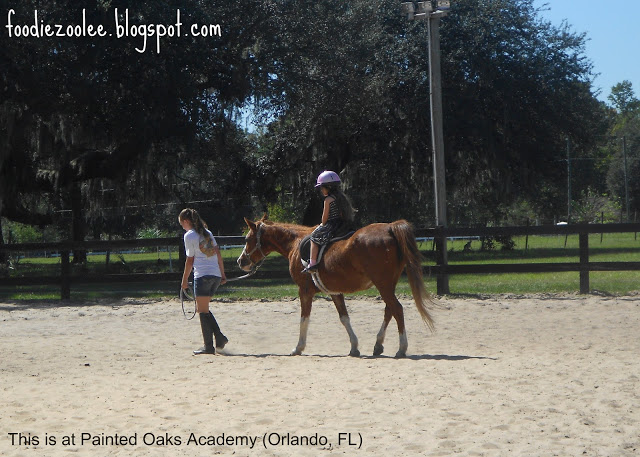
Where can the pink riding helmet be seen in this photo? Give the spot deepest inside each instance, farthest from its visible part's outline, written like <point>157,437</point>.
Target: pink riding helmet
<point>327,177</point>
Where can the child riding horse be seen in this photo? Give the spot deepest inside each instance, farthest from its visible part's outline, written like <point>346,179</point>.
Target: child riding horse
<point>375,255</point>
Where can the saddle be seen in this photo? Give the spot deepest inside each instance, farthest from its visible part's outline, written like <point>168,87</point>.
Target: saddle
<point>343,233</point>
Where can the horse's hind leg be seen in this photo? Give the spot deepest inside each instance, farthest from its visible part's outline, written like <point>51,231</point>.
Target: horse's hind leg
<point>338,300</point>
<point>379,348</point>
<point>395,307</point>
<point>305,311</point>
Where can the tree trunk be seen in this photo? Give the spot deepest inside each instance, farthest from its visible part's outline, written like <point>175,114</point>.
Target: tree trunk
<point>3,255</point>
<point>78,225</point>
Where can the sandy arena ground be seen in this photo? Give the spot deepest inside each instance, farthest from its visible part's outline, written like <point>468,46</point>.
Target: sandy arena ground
<point>502,376</point>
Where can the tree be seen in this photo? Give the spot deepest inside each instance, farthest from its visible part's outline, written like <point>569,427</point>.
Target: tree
<point>624,150</point>
<point>349,91</point>
<point>86,123</point>
<point>516,88</point>
<point>623,98</point>
<point>116,138</point>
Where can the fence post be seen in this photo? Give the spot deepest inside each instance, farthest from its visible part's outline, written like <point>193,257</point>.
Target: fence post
<point>65,273</point>
<point>584,263</point>
<point>182,256</point>
<point>442,279</point>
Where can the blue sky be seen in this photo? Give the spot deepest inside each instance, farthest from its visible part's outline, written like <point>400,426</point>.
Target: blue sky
<point>613,32</point>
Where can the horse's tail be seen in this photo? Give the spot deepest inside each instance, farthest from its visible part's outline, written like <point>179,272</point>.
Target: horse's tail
<point>403,233</point>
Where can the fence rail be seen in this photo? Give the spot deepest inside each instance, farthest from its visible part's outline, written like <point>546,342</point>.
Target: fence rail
<point>110,245</point>
<point>441,269</point>
<point>64,248</point>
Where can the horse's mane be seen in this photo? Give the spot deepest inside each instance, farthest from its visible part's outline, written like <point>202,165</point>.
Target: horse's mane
<point>295,228</point>
<point>284,224</point>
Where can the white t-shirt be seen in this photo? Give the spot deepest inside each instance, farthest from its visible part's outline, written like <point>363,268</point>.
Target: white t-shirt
<point>205,262</point>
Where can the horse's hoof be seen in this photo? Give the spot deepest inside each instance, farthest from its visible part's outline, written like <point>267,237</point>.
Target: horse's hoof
<point>296,352</point>
<point>400,355</point>
<point>378,349</point>
<point>354,353</point>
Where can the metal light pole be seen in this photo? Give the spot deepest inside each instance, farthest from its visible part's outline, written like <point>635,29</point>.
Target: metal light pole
<point>432,11</point>
<point>568,181</point>
<point>626,182</point>
<point>437,140</point>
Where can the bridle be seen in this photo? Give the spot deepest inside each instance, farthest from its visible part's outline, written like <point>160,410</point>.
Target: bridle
<point>247,255</point>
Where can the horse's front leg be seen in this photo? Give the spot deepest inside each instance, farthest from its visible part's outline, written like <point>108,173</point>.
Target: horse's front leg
<point>341,306</point>
<point>306,299</point>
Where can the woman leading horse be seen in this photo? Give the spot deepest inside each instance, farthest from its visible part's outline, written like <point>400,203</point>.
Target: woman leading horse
<point>375,255</point>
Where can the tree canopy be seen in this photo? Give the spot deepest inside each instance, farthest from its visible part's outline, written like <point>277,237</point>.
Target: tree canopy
<point>351,92</point>
<point>90,124</point>
<point>99,138</point>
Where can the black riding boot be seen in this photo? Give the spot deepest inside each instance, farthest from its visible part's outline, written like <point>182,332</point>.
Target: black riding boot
<point>221,340</point>
<point>207,334</point>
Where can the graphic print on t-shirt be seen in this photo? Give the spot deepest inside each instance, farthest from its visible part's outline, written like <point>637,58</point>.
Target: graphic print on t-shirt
<point>207,247</point>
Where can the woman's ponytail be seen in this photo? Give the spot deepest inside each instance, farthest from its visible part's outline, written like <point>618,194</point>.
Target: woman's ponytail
<point>191,215</point>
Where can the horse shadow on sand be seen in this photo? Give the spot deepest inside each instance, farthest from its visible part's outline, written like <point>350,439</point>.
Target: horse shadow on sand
<point>443,357</point>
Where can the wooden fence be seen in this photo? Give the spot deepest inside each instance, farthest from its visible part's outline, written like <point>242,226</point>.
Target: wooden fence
<point>64,248</point>
<point>442,270</point>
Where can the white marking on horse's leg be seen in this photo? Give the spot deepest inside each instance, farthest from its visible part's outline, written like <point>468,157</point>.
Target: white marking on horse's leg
<point>302,341</point>
<point>352,336</point>
<point>381,333</point>
<point>404,344</point>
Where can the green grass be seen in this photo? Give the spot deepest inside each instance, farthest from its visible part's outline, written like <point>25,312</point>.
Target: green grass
<point>618,247</point>
<point>614,247</point>
<point>549,249</point>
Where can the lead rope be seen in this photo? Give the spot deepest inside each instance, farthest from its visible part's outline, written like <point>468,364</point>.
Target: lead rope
<point>254,268</point>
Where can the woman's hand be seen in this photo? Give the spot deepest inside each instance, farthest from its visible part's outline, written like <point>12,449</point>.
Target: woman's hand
<point>188,266</point>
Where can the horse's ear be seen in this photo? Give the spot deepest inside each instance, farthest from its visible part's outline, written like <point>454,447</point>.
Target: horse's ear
<point>264,217</point>
<point>251,225</point>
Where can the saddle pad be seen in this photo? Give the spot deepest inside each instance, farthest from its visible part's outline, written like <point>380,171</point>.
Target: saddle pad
<point>305,246</point>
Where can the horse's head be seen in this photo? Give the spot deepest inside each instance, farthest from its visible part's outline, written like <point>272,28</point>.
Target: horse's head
<point>252,255</point>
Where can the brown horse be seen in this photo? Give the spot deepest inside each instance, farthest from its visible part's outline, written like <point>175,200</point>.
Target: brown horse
<point>375,255</point>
